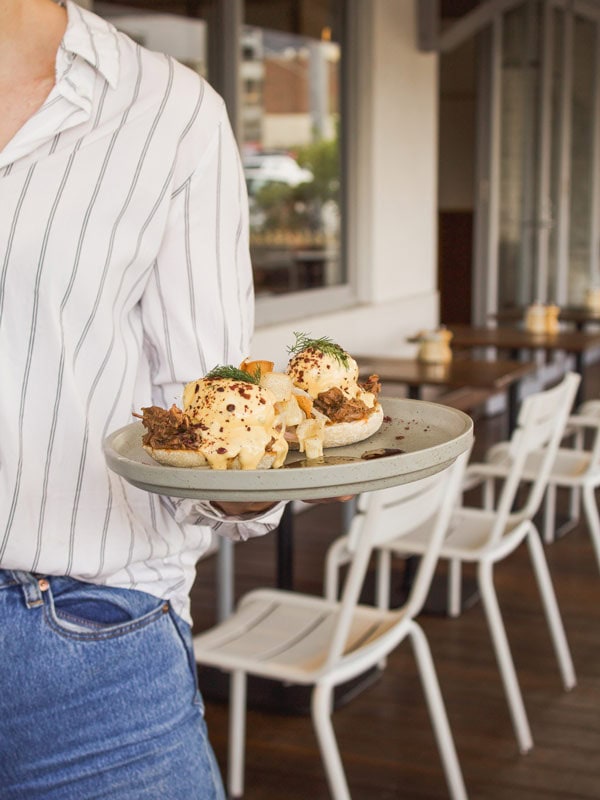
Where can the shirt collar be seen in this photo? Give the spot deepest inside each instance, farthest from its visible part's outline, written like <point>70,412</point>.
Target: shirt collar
<point>92,39</point>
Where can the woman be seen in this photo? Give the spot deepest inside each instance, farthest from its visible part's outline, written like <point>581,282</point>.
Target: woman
<point>124,273</point>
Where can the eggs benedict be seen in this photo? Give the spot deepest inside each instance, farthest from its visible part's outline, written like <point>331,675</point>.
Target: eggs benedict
<point>228,421</point>
<point>328,376</point>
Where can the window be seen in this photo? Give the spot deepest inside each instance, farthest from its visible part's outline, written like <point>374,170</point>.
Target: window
<point>290,142</point>
<point>537,193</point>
<point>288,112</point>
<point>547,248</point>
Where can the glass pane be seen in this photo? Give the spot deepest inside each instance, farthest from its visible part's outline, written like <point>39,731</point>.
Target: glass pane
<point>290,122</point>
<point>152,25</point>
<point>581,160</point>
<point>518,161</point>
<point>558,28</point>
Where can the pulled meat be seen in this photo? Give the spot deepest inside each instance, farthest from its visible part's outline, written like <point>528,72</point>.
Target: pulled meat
<point>335,405</point>
<point>170,429</point>
<point>371,385</point>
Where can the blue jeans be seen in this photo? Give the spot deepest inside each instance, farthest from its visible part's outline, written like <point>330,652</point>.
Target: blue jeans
<point>98,696</point>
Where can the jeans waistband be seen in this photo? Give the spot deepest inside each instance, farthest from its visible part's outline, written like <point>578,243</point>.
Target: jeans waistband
<point>31,584</point>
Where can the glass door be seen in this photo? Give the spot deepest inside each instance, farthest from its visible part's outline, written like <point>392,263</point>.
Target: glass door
<point>537,204</point>
<point>519,123</point>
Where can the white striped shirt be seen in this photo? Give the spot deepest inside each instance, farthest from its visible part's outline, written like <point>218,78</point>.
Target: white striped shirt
<point>124,273</point>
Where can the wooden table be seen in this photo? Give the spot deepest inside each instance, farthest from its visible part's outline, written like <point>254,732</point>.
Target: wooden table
<point>517,340</point>
<point>495,376</point>
<point>580,316</point>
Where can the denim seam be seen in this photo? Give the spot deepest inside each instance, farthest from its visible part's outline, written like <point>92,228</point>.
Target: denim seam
<point>112,633</point>
<point>99,626</point>
<point>189,654</point>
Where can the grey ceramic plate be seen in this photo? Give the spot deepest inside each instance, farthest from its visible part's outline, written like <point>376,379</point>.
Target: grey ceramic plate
<point>429,435</point>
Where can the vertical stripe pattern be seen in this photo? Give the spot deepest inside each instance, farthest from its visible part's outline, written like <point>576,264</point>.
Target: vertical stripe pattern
<point>124,273</point>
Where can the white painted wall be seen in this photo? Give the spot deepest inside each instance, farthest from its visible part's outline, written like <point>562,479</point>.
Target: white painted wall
<point>404,156</point>
<point>368,328</point>
<point>395,244</point>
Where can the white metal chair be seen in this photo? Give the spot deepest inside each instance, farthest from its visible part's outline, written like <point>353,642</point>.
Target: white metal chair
<point>487,535</point>
<point>309,640</point>
<point>575,468</point>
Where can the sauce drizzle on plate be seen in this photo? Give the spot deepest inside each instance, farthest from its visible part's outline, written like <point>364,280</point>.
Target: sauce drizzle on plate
<point>368,455</point>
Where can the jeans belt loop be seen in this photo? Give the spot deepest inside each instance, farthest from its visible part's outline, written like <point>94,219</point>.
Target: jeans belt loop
<point>32,588</point>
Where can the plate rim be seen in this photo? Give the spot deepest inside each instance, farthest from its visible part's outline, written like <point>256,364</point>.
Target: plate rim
<point>260,483</point>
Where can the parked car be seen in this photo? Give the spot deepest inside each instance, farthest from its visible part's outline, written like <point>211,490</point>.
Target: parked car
<point>263,168</point>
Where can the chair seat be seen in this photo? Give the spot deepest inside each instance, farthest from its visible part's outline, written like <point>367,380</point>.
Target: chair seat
<point>286,635</point>
<point>467,538</point>
<point>568,469</point>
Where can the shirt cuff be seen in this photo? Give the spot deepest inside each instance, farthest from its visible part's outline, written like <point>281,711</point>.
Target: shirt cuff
<point>239,528</point>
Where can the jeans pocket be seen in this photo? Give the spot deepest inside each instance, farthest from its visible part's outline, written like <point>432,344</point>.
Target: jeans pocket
<point>85,611</point>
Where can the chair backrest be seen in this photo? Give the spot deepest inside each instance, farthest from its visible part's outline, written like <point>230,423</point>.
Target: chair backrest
<point>388,514</point>
<point>540,427</point>
<point>588,415</point>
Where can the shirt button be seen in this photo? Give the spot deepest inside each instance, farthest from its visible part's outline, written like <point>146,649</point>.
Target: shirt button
<point>43,585</point>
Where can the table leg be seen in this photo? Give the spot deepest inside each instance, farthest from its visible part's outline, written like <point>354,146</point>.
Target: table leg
<point>414,392</point>
<point>285,542</point>
<point>580,368</point>
<point>348,512</point>
<point>513,407</point>
<point>224,578</point>
<point>285,549</point>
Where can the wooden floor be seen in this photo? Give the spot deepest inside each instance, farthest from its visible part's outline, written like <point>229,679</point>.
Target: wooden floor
<point>384,733</point>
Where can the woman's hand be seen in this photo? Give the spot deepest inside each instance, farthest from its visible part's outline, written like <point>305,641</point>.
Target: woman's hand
<point>238,509</point>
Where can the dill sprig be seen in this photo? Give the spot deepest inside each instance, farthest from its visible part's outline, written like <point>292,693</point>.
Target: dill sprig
<point>234,374</point>
<point>324,344</point>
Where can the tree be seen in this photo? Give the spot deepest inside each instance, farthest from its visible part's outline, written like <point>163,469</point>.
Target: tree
<point>280,207</point>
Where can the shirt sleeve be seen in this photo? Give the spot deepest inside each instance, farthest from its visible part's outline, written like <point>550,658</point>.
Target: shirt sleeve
<point>198,306</point>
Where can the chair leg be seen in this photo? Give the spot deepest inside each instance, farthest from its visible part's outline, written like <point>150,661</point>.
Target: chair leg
<point>550,514</point>
<point>237,734</point>
<point>337,556</point>
<point>383,578</point>
<point>454,587</point>
<point>557,631</point>
<point>321,705</point>
<point>489,493</point>
<point>593,520</point>
<point>437,712</point>
<point>504,657</point>
<point>574,503</point>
